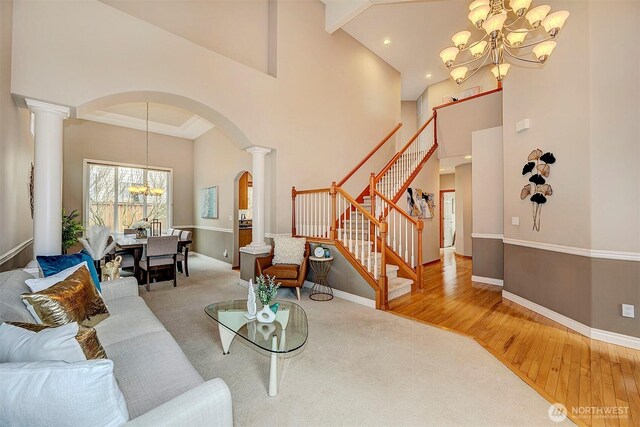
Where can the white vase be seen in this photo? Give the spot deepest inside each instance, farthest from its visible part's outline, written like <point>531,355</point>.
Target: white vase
<point>266,315</point>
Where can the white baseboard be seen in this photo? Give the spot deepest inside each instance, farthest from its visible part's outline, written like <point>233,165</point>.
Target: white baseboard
<point>596,334</point>
<point>487,280</point>
<point>347,296</point>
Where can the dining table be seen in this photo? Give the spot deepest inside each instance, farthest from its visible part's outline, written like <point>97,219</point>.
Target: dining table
<point>136,246</point>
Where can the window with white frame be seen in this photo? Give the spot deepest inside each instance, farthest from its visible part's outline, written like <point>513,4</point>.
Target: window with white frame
<point>109,203</point>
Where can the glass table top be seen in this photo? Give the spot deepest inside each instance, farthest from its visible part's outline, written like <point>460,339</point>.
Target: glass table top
<point>290,325</point>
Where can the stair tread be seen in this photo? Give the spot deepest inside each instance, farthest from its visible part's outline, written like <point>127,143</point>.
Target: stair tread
<point>399,282</point>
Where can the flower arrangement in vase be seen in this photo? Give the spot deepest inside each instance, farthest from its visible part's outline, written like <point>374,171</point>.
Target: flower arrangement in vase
<point>266,292</point>
<point>141,227</point>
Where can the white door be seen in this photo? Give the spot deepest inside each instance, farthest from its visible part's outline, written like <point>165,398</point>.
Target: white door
<point>449,220</point>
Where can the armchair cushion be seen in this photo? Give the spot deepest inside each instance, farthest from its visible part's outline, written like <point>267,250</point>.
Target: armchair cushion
<point>289,250</point>
<point>283,271</point>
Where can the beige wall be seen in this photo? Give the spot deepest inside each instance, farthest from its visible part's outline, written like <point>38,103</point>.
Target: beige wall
<point>614,127</point>
<point>16,155</point>
<point>456,123</point>
<point>464,210</point>
<point>236,29</point>
<point>448,181</point>
<point>331,95</point>
<point>558,108</point>
<point>436,92</point>
<point>409,123</point>
<point>487,181</point>
<point>96,141</point>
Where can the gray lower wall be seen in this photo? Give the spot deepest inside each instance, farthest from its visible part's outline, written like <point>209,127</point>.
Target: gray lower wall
<point>488,258</point>
<point>343,276</point>
<point>19,260</point>
<point>213,244</point>
<point>588,290</point>
<point>615,283</point>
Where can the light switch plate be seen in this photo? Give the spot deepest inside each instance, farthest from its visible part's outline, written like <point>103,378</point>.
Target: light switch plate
<point>523,124</point>
<point>628,310</point>
<point>515,220</point>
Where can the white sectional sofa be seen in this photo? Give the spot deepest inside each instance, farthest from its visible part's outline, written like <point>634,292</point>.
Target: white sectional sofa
<point>159,384</point>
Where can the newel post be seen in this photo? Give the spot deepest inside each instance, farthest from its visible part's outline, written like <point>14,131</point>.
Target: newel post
<point>420,227</point>
<point>293,211</point>
<point>384,288</point>
<point>334,219</point>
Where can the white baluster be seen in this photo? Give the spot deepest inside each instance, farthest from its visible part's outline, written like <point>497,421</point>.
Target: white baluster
<point>369,246</point>
<point>328,227</point>
<point>350,230</point>
<point>362,241</point>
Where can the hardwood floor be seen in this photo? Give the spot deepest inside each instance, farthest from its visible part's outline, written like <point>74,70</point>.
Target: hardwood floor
<point>599,383</point>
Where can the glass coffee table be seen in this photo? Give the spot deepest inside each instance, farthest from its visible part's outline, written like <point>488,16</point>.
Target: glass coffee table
<point>283,336</point>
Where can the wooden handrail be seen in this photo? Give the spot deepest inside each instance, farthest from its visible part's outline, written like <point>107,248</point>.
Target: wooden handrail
<point>358,206</point>
<point>317,190</point>
<point>399,153</point>
<point>448,104</point>
<point>396,207</point>
<point>371,153</point>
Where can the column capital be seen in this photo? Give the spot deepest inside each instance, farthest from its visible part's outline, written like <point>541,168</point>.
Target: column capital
<point>39,106</point>
<point>256,149</point>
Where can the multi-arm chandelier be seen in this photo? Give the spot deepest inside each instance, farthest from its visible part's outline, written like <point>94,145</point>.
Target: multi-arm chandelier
<point>509,32</point>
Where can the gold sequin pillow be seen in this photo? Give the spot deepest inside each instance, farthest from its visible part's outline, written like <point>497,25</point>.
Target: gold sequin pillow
<point>75,299</point>
<point>86,337</point>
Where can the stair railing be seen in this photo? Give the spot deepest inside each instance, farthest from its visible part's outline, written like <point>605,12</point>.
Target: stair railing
<point>404,233</point>
<point>393,179</point>
<point>331,214</point>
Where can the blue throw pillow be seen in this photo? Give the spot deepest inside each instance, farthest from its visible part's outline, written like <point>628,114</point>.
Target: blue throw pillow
<point>53,264</point>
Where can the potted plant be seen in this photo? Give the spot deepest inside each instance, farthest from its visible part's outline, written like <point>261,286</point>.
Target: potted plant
<point>266,292</point>
<point>71,229</point>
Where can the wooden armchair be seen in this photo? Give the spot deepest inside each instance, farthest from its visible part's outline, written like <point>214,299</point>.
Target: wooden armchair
<point>288,275</point>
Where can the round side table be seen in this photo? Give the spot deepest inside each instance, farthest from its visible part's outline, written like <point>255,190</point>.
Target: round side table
<point>321,291</point>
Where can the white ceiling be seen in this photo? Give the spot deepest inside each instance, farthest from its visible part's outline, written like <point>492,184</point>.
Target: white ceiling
<point>163,119</point>
<point>448,164</point>
<point>418,31</point>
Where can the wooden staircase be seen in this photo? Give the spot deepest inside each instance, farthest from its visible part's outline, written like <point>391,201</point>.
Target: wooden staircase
<point>374,234</point>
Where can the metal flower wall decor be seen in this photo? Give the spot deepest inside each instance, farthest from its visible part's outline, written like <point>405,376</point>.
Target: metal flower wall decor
<point>538,165</point>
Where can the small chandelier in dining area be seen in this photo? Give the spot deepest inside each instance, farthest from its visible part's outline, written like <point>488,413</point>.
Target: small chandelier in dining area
<point>145,189</point>
<point>509,33</point>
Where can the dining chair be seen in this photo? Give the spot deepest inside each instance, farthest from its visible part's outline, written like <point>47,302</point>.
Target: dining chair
<point>161,255</point>
<point>126,254</point>
<point>129,231</point>
<point>183,252</point>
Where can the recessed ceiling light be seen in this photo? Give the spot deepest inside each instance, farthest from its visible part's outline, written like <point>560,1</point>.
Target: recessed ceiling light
<point>441,170</point>
<point>387,41</point>
<point>428,76</point>
<point>467,157</point>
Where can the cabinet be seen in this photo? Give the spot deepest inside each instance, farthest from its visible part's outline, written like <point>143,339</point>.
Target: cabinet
<point>245,237</point>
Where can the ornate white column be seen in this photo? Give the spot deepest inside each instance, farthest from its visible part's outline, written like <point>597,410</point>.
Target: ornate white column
<point>258,245</point>
<point>47,192</point>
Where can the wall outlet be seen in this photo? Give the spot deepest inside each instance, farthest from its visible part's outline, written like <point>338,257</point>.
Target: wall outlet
<point>628,310</point>
<point>225,253</point>
<point>515,220</point>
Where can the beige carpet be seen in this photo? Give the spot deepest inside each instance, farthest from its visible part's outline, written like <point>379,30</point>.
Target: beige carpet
<point>360,367</point>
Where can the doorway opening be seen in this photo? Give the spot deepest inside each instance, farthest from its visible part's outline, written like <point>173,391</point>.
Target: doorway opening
<point>448,218</point>
<point>243,214</point>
